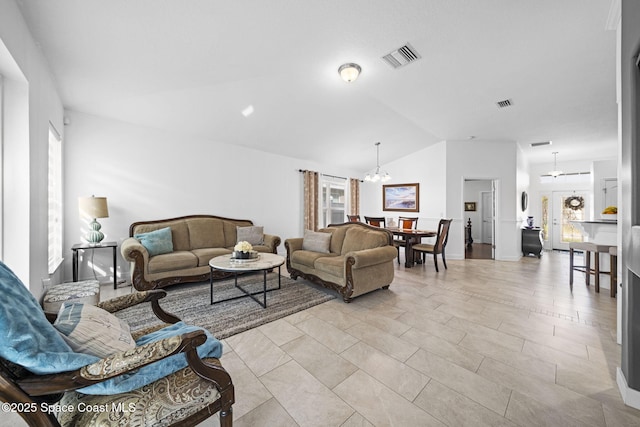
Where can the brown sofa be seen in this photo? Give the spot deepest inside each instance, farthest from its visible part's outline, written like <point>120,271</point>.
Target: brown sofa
<point>358,259</point>
<point>195,240</point>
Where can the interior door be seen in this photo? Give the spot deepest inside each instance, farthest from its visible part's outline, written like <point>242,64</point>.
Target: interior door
<point>566,208</point>
<point>487,217</point>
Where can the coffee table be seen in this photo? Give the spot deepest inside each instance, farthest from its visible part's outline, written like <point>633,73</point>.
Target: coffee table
<point>264,262</point>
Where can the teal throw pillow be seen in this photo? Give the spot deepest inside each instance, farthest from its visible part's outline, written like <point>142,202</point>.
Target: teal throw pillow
<point>157,242</point>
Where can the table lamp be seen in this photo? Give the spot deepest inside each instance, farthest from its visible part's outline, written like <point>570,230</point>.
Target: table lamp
<point>93,207</point>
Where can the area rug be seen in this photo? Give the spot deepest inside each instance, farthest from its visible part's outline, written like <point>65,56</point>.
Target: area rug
<point>191,303</point>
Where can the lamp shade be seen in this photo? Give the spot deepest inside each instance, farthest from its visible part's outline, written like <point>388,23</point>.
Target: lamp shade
<point>93,207</point>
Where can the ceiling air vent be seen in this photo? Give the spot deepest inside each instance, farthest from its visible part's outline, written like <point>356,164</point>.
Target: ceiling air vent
<point>401,56</point>
<point>539,144</point>
<point>505,103</point>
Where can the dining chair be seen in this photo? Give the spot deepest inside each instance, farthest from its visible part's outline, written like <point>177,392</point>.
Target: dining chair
<point>438,247</point>
<point>353,218</point>
<point>407,223</point>
<point>376,221</point>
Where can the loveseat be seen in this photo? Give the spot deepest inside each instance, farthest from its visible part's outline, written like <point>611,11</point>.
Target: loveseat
<point>352,258</point>
<point>177,250</point>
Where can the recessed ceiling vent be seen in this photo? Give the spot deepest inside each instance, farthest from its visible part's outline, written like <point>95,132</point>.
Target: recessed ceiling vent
<point>402,56</point>
<point>505,103</point>
<point>539,144</point>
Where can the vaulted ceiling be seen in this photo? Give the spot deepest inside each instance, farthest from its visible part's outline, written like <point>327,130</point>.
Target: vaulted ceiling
<point>193,66</point>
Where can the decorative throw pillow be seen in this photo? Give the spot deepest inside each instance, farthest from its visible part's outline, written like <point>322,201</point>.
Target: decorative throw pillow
<point>253,234</point>
<point>156,242</point>
<point>92,330</point>
<point>316,241</point>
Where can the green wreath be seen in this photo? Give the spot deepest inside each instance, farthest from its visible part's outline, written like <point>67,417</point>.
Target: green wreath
<point>574,202</point>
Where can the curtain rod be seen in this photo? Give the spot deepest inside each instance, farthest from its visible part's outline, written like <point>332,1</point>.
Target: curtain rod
<point>332,176</point>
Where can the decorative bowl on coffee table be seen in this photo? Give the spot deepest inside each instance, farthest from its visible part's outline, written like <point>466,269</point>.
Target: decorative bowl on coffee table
<point>244,255</point>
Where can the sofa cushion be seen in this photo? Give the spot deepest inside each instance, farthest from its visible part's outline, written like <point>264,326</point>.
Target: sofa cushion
<point>253,234</point>
<point>205,233</point>
<point>358,238</point>
<point>92,330</point>
<point>308,258</point>
<point>230,232</point>
<point>179,232</point>
<point>333,265</point>
<point>204,255</point>
<point>173,261</point>
<point>316,241</point>
<point>337,238</point>
<point>156,242</point>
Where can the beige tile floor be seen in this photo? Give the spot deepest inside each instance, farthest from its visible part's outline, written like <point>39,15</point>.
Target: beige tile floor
<point>482,343</point>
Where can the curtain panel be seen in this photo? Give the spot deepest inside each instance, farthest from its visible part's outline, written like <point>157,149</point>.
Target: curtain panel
<point>354,192</point>
<point>310,200</point>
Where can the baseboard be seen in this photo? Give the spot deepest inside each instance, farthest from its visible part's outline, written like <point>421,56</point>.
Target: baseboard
<point>630,396</point>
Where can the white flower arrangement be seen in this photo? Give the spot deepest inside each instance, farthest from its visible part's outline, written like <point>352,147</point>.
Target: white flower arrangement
<point>243,247</point>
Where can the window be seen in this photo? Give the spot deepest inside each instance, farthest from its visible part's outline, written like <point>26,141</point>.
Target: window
<point>55,199</point>
<point>333,197</point>
<point>545,218</point>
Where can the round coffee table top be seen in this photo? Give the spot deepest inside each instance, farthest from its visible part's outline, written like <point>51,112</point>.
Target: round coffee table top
<point>264,261</point>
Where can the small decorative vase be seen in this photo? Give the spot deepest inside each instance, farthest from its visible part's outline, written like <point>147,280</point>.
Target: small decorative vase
<point>530,221</point>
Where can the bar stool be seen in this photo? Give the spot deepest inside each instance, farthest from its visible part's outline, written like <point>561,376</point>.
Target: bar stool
<point>613,256</point>
<point>587,247</point>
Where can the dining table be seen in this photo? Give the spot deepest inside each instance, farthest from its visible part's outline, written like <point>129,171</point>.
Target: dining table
<point>410,236</point>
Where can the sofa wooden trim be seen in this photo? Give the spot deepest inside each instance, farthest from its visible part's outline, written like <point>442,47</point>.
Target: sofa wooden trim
<point>137,258</point>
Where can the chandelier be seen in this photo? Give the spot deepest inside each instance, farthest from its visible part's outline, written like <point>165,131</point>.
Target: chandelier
<point>378,175</point>
<point>555,172</point>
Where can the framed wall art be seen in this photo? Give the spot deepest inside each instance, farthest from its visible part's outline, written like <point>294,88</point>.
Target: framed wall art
<point>470,206</point>
<point>401,197</point>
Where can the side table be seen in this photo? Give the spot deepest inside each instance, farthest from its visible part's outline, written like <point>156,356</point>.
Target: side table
<point>532,241</point>
<point>102,245</point>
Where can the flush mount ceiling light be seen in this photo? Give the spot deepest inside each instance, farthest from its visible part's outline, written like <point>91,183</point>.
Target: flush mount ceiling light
<point>378,175</point>
<point>349,72</point>
<point>248,111</point>
<point>555,172</point>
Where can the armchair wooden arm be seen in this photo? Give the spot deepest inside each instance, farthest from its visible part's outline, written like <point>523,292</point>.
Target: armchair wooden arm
<point>153,296</point>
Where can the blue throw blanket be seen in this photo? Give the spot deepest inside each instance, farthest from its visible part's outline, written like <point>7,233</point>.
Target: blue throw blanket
<point>29,340</point>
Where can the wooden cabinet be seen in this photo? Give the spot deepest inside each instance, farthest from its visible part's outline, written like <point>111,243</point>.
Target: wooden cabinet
<point>532,242</point>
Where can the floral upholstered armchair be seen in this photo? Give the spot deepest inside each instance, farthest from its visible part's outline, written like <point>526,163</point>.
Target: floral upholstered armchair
<point>70,374</point>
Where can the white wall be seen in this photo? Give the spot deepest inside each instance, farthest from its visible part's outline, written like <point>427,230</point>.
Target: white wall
<point>523,184</point>
<point>628,375</point>
<point>601,169</point>
<point>441,170</point>
<point>148,174</point>
<point>492,160</point>
<point>426,167</point>
<point>25,159</point>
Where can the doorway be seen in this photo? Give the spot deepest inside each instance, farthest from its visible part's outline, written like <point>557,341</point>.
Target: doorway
<point>567,207</point>
<point>480,194</point>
